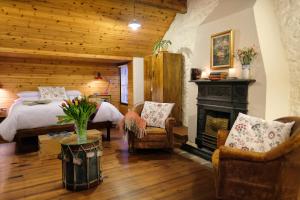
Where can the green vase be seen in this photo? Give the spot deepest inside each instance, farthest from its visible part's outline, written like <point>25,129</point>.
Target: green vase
<point>81,131</point>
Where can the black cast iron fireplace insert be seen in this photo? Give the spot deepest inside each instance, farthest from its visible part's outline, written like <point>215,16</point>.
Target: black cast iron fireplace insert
<point>218,105</point>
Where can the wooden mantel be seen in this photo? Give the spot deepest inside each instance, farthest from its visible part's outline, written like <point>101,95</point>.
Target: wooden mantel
<point>42,54</point>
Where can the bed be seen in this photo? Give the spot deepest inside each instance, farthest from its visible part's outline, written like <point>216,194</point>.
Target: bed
<point>25,123</point>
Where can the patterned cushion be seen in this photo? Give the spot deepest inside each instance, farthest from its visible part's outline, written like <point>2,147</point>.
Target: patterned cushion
<point>53,93</point>
<point>155,114</point>
<point>254,134</point>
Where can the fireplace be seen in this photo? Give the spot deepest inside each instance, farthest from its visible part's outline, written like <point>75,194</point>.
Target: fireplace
<point>218,104</point>
<point>213,121</point>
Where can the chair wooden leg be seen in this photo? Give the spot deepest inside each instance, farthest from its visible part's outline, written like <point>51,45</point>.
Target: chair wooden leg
<point>131,142</point>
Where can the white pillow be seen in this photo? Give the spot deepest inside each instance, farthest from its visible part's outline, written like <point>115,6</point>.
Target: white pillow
<point>276,134</point>
<point>155,114</point>
<point>54,93</point>
<point>26,94</point>
<point>255,134</point>
<point>70,93</point>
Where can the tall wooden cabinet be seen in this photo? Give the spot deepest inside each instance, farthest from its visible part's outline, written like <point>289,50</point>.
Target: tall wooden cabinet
<point>163,80</point>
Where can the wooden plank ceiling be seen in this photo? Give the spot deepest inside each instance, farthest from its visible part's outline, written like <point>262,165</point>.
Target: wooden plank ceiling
<point>91,27</point>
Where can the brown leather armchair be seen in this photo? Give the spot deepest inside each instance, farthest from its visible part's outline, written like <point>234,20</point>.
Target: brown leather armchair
<point>273,175</point>
<point>155,138</point>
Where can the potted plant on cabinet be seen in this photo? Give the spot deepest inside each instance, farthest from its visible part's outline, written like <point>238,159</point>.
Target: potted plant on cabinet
<point>161,45</point>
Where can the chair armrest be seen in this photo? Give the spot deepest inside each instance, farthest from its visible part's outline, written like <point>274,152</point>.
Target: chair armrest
<point>221,137</point>
<point>237,154</point>
<point>283,149</point>
<point>138,108</point>
<point>169,124</point>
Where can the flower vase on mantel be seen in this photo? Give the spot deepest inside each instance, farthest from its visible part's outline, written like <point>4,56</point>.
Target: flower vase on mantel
<point>246,74</point>
<point>246,56</point>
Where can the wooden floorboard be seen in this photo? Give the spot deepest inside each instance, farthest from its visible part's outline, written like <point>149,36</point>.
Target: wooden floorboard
<point>145,175</point>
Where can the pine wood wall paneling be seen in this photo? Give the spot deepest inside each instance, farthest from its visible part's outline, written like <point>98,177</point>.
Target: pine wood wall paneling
<point>90,27</point>
<point>20,74</point>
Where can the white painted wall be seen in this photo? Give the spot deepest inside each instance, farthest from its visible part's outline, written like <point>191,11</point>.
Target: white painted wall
<point>190,34</point>
<point>138,80</point>
<point>275,60</point>
<point>288,16</point>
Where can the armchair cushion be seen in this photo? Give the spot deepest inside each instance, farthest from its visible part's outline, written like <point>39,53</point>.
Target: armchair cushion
<point>257,135</point>
<point>155,114</point>
<point>155,131</point>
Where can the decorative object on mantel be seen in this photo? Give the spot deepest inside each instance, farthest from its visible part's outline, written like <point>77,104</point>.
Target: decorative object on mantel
<point>221,55</point>
<point>78,110</point>
<point>214,76</point>
<point>232,73</point>
<point>81,162</point>
<point>161,45</point>
<point>246,56</point>
<point>195,74</point>
<point>205,74</point>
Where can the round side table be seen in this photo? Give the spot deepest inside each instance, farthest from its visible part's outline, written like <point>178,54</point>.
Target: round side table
<point>81,162</point>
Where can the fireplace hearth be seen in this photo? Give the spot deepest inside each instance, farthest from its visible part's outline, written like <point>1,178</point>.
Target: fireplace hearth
<point>218,105</point>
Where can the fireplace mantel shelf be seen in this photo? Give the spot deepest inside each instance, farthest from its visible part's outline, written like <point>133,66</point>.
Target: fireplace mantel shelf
<point>223,81</point>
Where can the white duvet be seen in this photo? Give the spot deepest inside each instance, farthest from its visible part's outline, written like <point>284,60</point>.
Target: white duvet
<point>25,117</point>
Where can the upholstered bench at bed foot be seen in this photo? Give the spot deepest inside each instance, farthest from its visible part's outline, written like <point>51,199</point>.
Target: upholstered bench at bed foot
<point>27,144</point>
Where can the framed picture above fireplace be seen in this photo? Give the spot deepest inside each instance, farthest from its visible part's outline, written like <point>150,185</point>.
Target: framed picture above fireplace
<point>221,55</point>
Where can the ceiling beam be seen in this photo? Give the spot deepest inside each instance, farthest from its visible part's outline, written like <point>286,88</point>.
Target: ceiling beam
<point>179,6</point>
<point>42,54</point>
